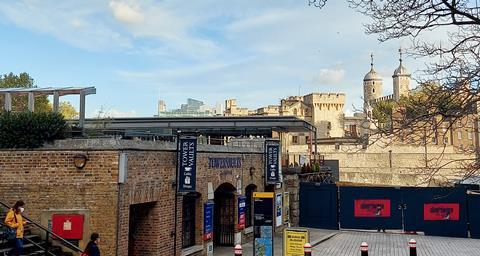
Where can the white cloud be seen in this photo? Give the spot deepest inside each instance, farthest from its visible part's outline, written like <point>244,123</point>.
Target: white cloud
<point>113,112</point>
<point>329,77</point>
<point>125,12</point>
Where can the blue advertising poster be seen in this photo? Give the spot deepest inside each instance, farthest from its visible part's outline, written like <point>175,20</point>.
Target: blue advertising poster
<point>263,247</point>
<point>208,220</point>
<point>187,164</point>
<point>241,212</point>
<point>272,161</point>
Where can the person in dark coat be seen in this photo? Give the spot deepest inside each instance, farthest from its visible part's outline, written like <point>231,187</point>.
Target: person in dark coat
<point>92,246</point>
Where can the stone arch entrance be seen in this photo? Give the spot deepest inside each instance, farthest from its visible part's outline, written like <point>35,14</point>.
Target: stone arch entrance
<point>224,216</point>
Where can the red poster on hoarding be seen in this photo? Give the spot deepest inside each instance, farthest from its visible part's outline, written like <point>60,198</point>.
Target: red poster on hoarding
<point>441,211</point>
<point>372,208</point>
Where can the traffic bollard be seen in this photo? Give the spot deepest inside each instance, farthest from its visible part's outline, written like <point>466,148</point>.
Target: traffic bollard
<point>413,247</point>
<point>364,249</point>
<point>307,249</point>
<point>238,250</point>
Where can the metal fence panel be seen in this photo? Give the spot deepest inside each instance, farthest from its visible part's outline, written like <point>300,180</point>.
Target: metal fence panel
<point>436,211</point>
<point>318,205</point>
<point>370,208</point>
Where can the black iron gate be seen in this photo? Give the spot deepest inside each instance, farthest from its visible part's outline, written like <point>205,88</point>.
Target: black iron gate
<point>224,219</point>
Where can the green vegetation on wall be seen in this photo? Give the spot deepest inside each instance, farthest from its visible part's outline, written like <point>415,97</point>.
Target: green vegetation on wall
<point>30,130</point>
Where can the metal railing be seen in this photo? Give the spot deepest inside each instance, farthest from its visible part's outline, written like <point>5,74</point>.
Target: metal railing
<point>48,233</point>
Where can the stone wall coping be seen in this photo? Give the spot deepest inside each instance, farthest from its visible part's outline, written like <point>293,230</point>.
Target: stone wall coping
<point>118,144</point>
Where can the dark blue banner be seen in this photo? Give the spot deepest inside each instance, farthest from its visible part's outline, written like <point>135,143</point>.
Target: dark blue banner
<point>208,220</point>
<point>272,161</point>
<point>187,153</point>
<point>241,212</point>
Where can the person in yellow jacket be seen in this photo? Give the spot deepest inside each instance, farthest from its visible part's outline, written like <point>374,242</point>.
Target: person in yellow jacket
<point>15,221</point>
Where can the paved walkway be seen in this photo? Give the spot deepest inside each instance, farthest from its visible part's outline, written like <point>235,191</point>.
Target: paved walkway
<point>316,236</point>
<point>347,243</point>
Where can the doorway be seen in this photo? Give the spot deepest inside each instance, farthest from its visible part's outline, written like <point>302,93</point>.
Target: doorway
<point>224,216</point>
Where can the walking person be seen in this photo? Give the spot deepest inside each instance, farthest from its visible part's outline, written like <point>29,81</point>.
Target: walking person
<point>14,220</point>
<point>92,247</point>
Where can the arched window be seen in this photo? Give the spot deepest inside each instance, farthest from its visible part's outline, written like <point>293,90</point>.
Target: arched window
<point>188,223</point>
<point>295,111</point>
<point>373,90</point>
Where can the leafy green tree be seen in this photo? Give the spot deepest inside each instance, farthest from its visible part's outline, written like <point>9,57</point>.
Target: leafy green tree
<point>20,102</point>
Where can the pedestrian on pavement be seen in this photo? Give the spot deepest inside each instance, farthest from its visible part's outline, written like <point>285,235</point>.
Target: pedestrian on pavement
<point>14,221</point>
<point>92,246</point>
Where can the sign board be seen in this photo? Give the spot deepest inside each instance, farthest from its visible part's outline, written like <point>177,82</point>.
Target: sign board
<point>293,241</point>
<point>68,226</point>
<point>187,164</point>
<point>241,212</point>
<point>272,162</point>
<point>372,208</point>
<point>263,223</point>
<point>441,211</point>
<point>208,220</point>
<point>225,162</point>
<point>278,209</point>
<point>286,207</point>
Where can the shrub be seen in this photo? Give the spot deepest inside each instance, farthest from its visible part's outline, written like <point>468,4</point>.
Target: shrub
<point>30,130</point>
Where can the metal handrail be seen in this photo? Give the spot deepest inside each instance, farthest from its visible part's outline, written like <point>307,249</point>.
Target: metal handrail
<point>32,242</point>
<point>70,245</point>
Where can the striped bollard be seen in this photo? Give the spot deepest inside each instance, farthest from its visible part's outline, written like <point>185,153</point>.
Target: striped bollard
<point>307,249</point>
<point>238,250</point>
<point>364,249</point>
<point>413,247</point>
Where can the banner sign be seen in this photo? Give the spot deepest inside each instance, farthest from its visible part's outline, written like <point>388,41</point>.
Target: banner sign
<point>208,220</point>
<point>272,161</point>
<point>241,212</point>
<point>263,223</point>
<point>372,208</point>
<point>293,241</point>
<point>225,162</point>
<point>278,209</point>
<point>187,162</point>
<point>441,211</point>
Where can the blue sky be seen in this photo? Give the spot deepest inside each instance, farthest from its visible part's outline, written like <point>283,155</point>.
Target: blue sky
<point>136,52</point>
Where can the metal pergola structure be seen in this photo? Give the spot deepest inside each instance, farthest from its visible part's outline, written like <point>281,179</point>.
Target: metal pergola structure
<point>57,92</point>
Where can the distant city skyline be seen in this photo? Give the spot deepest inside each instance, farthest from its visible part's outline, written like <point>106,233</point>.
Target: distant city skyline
<point>136,53</point>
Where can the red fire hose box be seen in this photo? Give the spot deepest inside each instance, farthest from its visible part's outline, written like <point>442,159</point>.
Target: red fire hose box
<point>68,226</point>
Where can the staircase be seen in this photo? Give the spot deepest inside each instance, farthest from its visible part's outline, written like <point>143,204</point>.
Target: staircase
<point>34,245</point>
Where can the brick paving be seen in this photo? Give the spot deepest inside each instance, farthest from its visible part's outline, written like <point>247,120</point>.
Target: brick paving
<point>347,243</point>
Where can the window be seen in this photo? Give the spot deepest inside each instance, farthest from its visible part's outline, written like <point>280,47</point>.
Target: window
<point>188,225</point>
<point>470,135</point>
<point>307,139</point>
<point>445,140</point>
<point>373,90</point>
<point>294,139</point>
<point>434,140</point>
<point>459,135</point>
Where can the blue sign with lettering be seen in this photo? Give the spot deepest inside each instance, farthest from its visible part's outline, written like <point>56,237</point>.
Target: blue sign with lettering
<point>272,161</point>
<point>241,212</point>
<point>187,164</point>
<point>208,220</point>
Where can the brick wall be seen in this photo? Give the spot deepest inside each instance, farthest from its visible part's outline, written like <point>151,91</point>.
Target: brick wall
<point>48,181</point>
